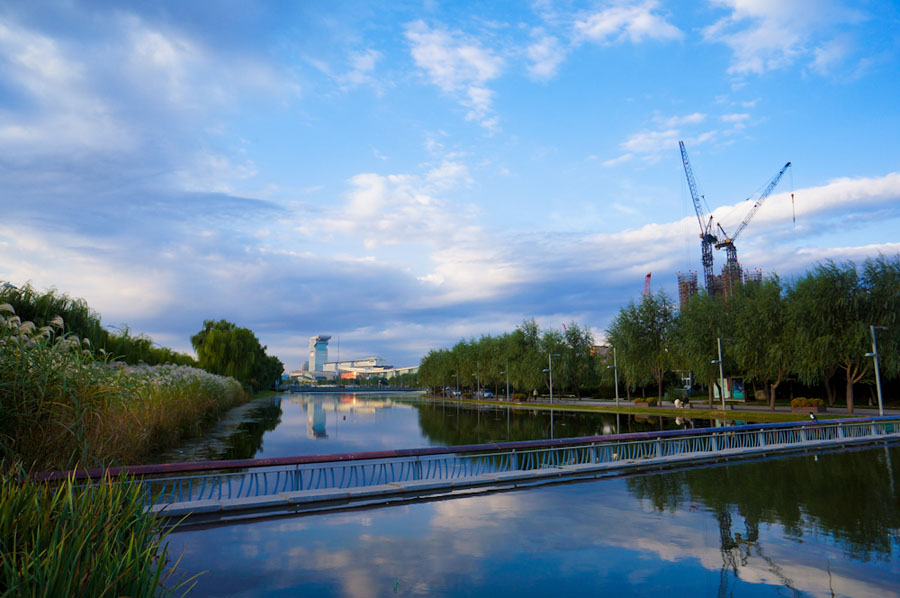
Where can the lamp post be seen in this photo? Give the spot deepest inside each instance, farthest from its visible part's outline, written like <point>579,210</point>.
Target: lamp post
<point>874,355</point>
<point>457,383</point>
<point>550,369</point>
<point>506,371</point>
<point>615,368</point>
<point>721,375</point>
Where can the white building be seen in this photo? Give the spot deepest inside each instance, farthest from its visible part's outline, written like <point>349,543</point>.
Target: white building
<point>318,352</point>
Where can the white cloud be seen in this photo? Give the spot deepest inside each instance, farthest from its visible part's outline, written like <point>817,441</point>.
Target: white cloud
<point>651,144</point>
<point>69,114</point>
<point>458,65</point>
<point>545,55</point>
<point>362,71</point>
<point>616,161</point>
<point>677,121</point>
<point>830,54</point>
<point>81,266</point>
<point>627,21</point>
<point>765,35</point>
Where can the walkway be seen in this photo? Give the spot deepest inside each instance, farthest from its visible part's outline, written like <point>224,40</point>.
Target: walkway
<point>223,490</point>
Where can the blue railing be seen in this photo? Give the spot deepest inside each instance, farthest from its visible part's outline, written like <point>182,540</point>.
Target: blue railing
<point>244,479</point>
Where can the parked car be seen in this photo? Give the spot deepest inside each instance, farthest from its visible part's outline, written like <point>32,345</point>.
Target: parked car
<point>487,394</point>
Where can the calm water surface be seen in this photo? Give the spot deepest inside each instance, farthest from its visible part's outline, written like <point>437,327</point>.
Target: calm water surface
<point>823,525</point>
<point>308,424</point>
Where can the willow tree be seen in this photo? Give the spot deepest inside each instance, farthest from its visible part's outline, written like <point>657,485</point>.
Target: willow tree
<point>704,320</point>
<point>762,340</point>
<point>641,333</point>
<point>229,350</point>
<point>576,365</point>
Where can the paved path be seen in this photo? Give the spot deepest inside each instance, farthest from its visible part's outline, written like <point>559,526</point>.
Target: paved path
<point>864,411</point>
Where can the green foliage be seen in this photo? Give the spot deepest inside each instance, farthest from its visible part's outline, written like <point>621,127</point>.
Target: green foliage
<point>80,320</point>
<point>62,406</point>
<point>225,349</point>
<point>80,541</point>
<point>763,341</point>
<point>523,354</point>
<point>642,334</point>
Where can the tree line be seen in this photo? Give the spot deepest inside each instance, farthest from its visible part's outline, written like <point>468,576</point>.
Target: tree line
<point>222,347</point>
<point>523,354</point>
<point>813,331</point>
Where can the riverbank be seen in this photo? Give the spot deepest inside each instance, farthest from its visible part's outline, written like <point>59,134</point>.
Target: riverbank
<point>733,412</point>
<point>65,407</point>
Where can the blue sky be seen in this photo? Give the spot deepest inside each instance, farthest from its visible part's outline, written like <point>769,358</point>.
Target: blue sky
<point>407,176</point>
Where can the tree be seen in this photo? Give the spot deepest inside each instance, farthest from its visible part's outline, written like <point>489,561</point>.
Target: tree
<point>762,340</point>
<point>577,366</point>
<point>705,319</point>
<point>641,334</point>
<point>224,348</point>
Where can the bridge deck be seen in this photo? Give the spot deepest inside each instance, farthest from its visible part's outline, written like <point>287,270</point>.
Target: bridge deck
<point>336,498</point>
<point>219,490</point>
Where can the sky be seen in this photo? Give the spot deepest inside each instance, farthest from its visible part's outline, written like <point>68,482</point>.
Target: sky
<point>404,175</point>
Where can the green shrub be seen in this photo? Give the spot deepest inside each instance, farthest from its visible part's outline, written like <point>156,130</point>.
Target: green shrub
<point>81,541</point>
<point>804,402</point>
<point>518,396</point>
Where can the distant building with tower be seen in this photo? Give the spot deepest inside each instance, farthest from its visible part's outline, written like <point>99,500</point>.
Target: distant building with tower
<point>318,367</point>
<point>318,352</point>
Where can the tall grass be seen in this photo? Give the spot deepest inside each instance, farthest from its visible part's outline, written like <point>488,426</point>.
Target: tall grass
<point>70,541</point>
<point>84,322</point>
<point>62,405</point>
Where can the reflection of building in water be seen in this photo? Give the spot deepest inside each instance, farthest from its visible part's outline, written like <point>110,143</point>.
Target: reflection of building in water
<point>315,421</point>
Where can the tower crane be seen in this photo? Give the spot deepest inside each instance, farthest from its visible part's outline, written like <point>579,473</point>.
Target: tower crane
<point>646,292</point>
<point>707,238</point>
<point>731,260</point>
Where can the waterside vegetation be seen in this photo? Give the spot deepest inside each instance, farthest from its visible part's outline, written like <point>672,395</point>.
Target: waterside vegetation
<point>63,405</point>
<point>812,332</point>
<point>68,540</point>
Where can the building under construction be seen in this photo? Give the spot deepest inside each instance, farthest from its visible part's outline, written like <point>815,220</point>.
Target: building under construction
<point>732,275</point>
<point>724,283</point>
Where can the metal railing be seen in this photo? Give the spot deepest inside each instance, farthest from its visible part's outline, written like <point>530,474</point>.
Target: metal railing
<point>220,480</point>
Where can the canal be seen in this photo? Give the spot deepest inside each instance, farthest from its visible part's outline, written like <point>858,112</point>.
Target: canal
<point>819,525</point>
<point>321,423</point>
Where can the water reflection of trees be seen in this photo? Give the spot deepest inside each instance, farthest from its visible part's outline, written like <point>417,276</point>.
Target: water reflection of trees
<point>450,423</point>
<point>850,495</point>
<point>247,438</point>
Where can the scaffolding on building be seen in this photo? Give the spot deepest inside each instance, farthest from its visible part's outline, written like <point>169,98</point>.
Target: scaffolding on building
<point>687,287</point>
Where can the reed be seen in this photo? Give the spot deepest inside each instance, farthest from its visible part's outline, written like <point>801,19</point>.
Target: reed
<point>81,541</point>
<point>63,405</point>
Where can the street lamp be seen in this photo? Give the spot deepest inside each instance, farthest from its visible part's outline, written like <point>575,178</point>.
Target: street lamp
<point>615,368</point>
<point>721,375</point>
<point>506,371</point>
<point>874,355</point>
<point>457,384</point>
<point>550,369</point>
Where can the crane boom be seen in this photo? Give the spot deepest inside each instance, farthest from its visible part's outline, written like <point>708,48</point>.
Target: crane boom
<point>762,197</point>
<point>695,193</point>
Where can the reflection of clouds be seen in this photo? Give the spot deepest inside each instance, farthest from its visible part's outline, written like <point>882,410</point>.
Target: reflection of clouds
<point>591,534</point>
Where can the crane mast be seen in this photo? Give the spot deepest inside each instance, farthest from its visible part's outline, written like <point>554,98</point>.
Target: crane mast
<point>707,238</point>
